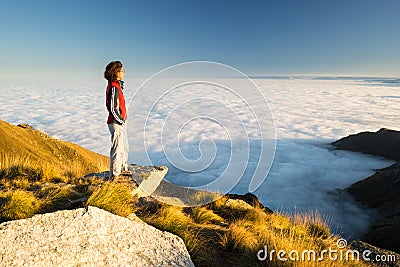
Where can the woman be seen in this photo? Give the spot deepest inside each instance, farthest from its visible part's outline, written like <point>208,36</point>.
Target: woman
<point>117,115</point>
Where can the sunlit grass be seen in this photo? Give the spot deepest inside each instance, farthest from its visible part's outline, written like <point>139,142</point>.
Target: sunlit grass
<point>204,197</point>
<point>113,197</point>
<point>174,220</point>
<point>203,215</point>
<point>57,197</point>
<point>19,166</point>
<point>32,154</point>
<point>18,204</point>
<point>298,232</point>
<point>221,235</point>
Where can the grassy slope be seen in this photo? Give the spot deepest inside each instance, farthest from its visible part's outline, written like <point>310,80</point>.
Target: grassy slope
<point>35,149</point>
<point>41,174</point>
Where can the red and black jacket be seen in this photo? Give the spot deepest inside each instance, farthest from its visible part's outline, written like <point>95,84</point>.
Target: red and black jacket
<point>115,103</point>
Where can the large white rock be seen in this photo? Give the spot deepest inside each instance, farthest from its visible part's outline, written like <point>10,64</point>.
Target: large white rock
<point>88,237</point>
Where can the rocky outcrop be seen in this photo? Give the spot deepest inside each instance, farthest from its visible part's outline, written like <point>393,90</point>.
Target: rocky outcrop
<point>88,237</point>
<point>380,191</point>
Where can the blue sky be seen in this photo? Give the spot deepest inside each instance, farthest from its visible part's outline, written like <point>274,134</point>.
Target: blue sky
<point>78,38</point>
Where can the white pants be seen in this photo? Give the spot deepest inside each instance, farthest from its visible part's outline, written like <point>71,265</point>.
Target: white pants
<point>119,148</point>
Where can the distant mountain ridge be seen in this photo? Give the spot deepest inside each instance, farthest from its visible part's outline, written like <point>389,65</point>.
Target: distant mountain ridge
<point>388,80</point>
<point>384,143</point>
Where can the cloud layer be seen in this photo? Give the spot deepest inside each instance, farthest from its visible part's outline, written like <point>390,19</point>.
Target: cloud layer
<point>308,114</point>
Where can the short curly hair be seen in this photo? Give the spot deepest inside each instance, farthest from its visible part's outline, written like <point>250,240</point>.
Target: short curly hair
<point>112,68</point>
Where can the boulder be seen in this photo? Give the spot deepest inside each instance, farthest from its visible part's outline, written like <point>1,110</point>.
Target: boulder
<point>88,237</point>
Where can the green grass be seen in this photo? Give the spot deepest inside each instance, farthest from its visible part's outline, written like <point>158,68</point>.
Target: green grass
<point>204,197</point>
<point>30,159</point>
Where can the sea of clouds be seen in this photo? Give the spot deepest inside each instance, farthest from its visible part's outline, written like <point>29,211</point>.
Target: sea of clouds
<point>204,124</point>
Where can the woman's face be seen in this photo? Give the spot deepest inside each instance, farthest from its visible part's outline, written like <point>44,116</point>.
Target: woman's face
<point>120,74</point>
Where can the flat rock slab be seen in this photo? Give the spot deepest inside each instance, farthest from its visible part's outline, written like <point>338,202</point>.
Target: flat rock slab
<point>143,181</point>
<point>148,178</point>
<point>88,237</point>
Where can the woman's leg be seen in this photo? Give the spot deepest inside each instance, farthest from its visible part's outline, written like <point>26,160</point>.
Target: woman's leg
<point>117,156</point>
<point>126,148</point>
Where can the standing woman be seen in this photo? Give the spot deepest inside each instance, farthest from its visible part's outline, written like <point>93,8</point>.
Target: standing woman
<point>117,115</point>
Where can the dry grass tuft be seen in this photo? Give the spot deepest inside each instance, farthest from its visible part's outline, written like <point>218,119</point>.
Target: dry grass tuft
<point>57,197</point>
<point>204,197</point>
<point>18,204</point>
<point>170,218</point>
<point>113,197</point>
<point>203,215</point>
<point>174,220</point>
<point>239,237</point>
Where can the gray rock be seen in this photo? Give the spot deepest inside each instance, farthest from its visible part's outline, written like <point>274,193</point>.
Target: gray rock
<point>88,237</point>
<point>147,177</point>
